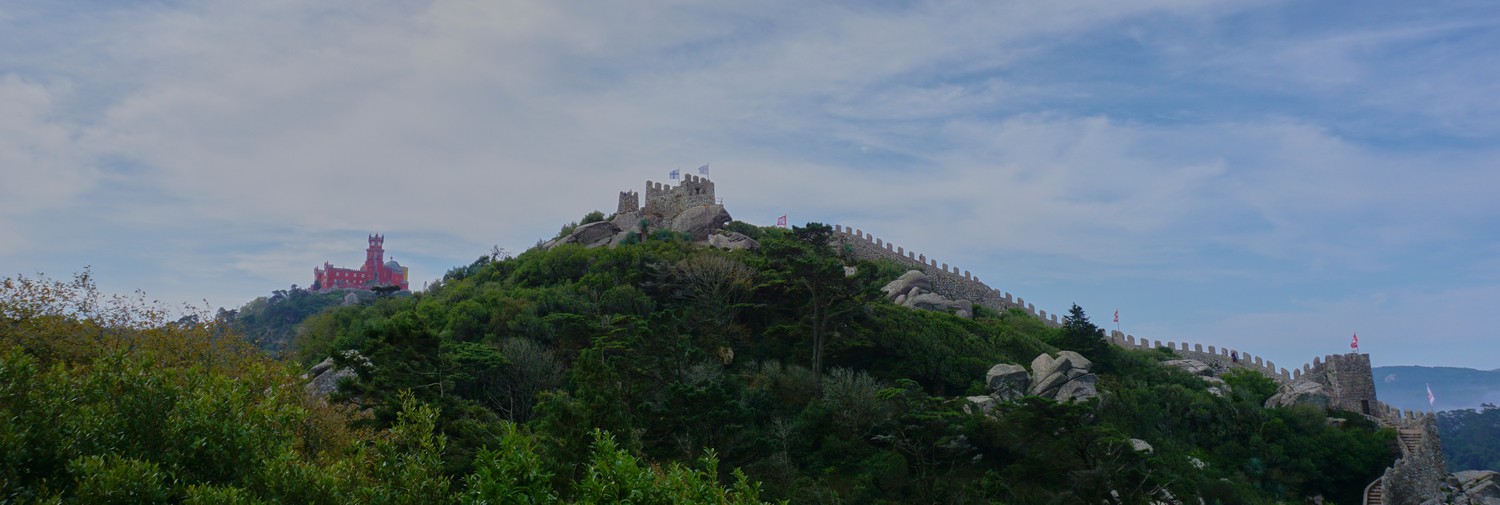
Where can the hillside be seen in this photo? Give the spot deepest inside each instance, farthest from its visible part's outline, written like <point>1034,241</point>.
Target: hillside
<point>657,368</point>
<point>679,349</point>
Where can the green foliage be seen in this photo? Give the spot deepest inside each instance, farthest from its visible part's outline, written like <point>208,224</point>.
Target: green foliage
<point>566,230</point>
<point>271,322</point>
<point>591,217</point>
<point>746,229</point>
<point>1081,336</point>
<point>1251,386</point>
<point>578,375</point>
<point>1471,438</point>
<point>113,479</point>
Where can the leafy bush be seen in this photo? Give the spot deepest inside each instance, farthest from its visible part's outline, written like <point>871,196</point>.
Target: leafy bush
<point>591,217</point>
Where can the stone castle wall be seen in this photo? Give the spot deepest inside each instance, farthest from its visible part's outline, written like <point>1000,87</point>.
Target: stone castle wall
<point>1418,475</point>
<point>1348,378</point>
<point>1349,381</point>
<point>947,281</point>
<point>630,202</point>
<point>1223,357</point>
<point>665,200</point>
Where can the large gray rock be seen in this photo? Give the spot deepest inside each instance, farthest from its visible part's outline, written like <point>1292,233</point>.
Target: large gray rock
<point>732,240</point>
<point>1074,360</point>
<point>985,404</point>
<point>904,284</point>
<point>1083,387</point>
<point>1139,445</point>
<point>325,376</point>
<point>1191,366</point>
<point>619,238</point>
<point>1064,378</point>
<point>1217,387</point>
<point>700,221</point>
<point>591,235</point>
<point>629,221</point>
<point>937,302</point>
<point>1007,382</point>
<point>1479,487</point>
<point>1300,393</point>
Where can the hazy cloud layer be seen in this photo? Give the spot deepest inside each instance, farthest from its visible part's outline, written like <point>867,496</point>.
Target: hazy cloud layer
<point>1268,175</point>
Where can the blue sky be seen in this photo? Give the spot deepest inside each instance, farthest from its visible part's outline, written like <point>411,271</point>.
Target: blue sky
<point>1270,176</point>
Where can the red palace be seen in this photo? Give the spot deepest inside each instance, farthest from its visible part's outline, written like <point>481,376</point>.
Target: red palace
<point>374,273</point>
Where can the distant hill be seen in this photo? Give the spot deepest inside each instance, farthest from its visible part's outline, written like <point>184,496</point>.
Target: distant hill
<point>1405,387</point>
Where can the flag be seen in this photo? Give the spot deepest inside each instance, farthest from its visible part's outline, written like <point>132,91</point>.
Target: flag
<point>703,170</point>
<point>1430,398</point>
<point>674,174</point>
<point>1117,315</point>
<point>781,221</point>
<point>1354,344</point>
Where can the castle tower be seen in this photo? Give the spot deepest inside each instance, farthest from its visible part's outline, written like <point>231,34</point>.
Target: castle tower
<point>630,201</point>
<point>375,253</point>
<point>1350,382</point>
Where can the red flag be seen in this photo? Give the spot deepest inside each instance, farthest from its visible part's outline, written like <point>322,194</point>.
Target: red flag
<point>1117,315</point>
<point>1354,344</point>
<point>781,221</point>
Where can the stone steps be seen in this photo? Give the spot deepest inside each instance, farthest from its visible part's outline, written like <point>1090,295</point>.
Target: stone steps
<point>1374,496</point>
<point>1410,438</point>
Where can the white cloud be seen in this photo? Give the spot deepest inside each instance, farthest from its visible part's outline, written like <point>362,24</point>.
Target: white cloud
<point>964,130</point>
<point>42,171</point>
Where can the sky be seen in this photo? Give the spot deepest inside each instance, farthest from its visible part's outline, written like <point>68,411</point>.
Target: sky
<point>1271,176</point>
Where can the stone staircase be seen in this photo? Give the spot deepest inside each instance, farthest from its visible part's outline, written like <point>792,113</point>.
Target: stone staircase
<point>1409,438</point>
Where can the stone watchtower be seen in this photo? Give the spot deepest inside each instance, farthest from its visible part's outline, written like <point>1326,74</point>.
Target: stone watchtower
<point>630,202</point>
<point>665,201</point>
<point>1350,383</point>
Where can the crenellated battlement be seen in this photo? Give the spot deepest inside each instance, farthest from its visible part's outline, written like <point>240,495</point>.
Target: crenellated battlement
<point>955,283</point>
<point>630,201</point>
<point>1347,378</point>
<point>1231,357</point>
<point>667,200</point>
<point>951,282</point>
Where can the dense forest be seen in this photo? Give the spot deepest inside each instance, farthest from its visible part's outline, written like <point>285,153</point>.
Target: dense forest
<point>658,371</point>
<point>1471,438</point>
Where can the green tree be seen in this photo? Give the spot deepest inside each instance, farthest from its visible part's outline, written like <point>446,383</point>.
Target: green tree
<point>1081,336</point>
<point>806,269</point>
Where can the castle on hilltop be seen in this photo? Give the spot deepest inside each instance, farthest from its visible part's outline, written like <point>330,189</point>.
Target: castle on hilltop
<point>690,209</point>
<point>664,201</point>
<point>375,272</point>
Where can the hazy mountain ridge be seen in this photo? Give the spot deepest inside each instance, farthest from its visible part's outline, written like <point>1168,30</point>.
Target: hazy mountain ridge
<point>1453,388</point>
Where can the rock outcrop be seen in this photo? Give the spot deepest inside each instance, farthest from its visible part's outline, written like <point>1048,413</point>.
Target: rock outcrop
<point>913,290</point>
<point>732,240</point>
<point>700,221</point>
<point>1191,366</point>
<point>903,285</point>
<point>1007,382</point>
<point>325,376</point>
<point>1475,487</point>
<point>593,234</point>
<point>984,404</point>
<point>1300,393</point>
<point>1065,378</point>
<point>1208,373</point>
